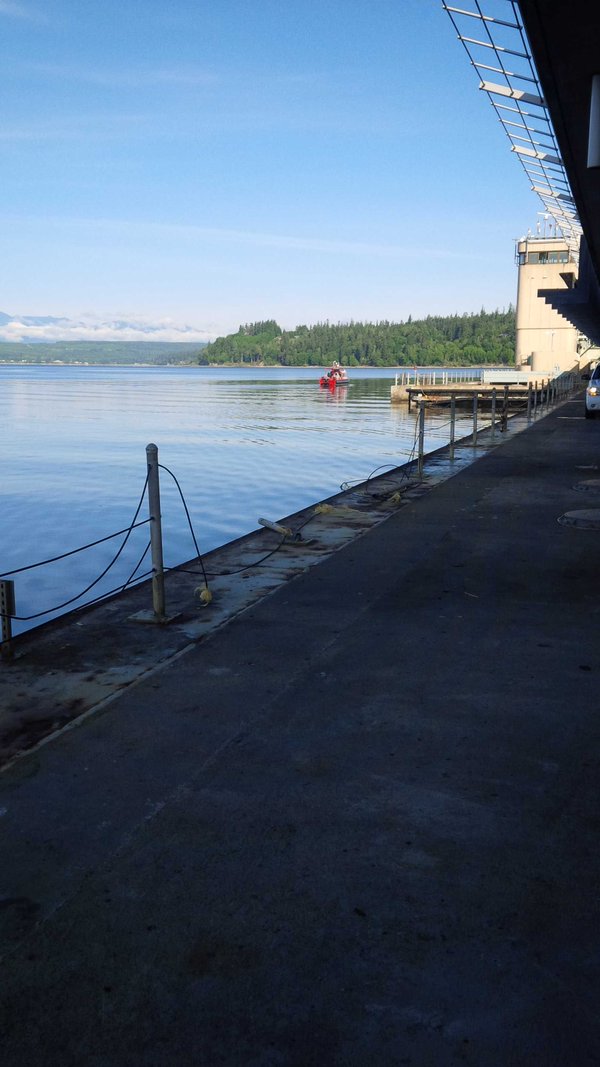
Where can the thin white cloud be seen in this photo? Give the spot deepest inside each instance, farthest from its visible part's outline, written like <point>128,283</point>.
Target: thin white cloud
<point>19,11</point>
<point>306,244</point>
<point>93,126</point>
<point>7,7</point>
<point>225,101</point>
<point>110,329</point>
<point>164,125</point>
<point>144,77</point>
<point>129,78</point>
<point>337,246</point>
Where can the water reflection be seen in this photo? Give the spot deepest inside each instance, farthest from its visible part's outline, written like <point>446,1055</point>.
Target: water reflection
<point>242,444</point>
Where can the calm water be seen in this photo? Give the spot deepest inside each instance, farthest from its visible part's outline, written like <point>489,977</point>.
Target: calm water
<point>242,445</point>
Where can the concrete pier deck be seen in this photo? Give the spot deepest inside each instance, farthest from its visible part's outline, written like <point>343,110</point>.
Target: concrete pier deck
<point>357,824</point>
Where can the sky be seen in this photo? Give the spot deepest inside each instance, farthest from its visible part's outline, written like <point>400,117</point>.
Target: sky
<point>174,168</point>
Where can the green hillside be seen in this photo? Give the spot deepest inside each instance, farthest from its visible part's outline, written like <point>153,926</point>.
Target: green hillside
<point>459,340</point>
<point>102,352</point>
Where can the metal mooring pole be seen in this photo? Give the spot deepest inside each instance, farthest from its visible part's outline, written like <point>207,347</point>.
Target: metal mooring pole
<point>475,401</point>
<point>421,437</point>
<point>452,423</point>
<point>493,411</point>
<point>158,574</point>
<point>7,609</point>
<point>504,415</point>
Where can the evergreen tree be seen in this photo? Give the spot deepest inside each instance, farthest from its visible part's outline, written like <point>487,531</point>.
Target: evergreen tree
<point>483,338</point>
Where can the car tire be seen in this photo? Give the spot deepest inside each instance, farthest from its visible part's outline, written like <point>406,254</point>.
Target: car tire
<point>589,414</point>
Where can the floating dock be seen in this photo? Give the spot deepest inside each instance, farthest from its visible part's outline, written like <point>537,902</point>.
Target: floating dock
<point>511,390</point>
<point>509,396</point>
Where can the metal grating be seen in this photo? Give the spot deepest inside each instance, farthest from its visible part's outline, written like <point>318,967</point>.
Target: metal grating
<point>494,39</point>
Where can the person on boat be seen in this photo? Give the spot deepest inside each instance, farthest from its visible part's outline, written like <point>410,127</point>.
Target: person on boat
<point>336,371</point>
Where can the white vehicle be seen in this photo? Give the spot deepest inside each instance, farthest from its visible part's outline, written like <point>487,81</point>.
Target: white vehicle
<point>592,394</point>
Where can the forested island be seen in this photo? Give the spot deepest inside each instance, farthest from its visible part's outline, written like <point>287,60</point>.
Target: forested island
<point>438,340</point>
<point>103,353</point>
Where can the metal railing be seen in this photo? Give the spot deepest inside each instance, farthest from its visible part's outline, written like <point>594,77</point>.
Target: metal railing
<point>8,599</point>
<point>536,400</point>
<point>431,376</point>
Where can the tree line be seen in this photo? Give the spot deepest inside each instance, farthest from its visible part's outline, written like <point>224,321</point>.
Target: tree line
<point>107,353</point>
<point>438,340</point>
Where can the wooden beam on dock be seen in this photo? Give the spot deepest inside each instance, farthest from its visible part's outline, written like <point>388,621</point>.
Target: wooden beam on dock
<point>464,393</point>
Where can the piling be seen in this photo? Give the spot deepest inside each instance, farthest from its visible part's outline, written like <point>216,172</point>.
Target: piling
<point>7,610</point>
<point>158,573</point>
<point>421,437</point>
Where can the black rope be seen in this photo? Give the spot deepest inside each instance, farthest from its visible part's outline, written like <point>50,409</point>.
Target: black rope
<point>90,603</point>
<point>111,592</point>
<point>71,600</point>
<point>239,570</point>
<point>74,551</point>
<point>137,566</point>
<point>198,553</point>
<point>92,544</point>
<point>359,481</point>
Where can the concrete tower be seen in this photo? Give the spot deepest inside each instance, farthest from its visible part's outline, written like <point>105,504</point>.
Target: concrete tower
<point>545,343</point>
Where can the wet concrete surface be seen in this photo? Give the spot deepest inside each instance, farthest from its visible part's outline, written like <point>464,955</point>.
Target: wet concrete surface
<point>359,822</point>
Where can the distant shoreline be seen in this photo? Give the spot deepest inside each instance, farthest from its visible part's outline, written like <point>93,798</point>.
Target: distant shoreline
<point>80,363</point>
<point>59,364</point>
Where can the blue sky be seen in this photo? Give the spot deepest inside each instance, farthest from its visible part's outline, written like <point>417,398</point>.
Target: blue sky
<point>211,163</point>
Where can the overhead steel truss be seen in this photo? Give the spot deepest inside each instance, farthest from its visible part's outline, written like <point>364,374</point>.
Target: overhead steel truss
<point>494,39</point>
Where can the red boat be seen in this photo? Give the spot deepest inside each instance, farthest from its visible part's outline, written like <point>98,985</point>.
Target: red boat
<point>333,381</point>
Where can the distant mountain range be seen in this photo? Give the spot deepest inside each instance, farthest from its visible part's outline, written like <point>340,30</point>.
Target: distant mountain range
<point>36,329</point>
<point>29,320</point>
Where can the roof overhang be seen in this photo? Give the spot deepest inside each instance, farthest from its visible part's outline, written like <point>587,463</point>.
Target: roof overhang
<point>564,44</point>
<point>580,305</point>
